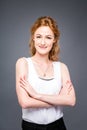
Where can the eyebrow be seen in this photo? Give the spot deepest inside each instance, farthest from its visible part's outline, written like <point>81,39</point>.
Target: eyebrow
<point>46,35</point>
<point>50,35</point>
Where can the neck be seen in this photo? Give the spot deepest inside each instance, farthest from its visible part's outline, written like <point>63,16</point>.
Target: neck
<point>41,58</point>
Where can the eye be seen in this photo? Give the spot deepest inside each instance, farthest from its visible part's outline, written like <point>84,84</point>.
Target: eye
<point>49,37</point>
<point>38,36</point>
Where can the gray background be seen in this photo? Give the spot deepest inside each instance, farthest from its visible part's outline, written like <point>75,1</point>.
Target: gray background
<point>16,18</point>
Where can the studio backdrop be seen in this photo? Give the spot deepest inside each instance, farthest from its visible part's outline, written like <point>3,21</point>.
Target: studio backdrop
<point>16,18</point>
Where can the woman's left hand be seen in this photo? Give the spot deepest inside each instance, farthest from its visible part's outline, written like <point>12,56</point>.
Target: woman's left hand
<point>25,85</point>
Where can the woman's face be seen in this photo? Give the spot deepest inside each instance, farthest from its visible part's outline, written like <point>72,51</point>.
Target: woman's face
<point>43,39</point>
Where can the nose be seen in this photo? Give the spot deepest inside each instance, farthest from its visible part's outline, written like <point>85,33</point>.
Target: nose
<point>43,41</point>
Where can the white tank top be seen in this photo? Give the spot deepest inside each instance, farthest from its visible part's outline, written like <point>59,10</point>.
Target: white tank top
<point>43,115</point>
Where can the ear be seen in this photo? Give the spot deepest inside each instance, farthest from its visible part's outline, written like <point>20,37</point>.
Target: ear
<point>33,38</point>
<point>54,41</point>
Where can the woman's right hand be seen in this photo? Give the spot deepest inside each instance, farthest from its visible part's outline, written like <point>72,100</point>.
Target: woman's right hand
<point>65,90</point>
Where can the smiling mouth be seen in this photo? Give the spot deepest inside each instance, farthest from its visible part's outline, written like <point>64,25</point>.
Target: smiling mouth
<point>42,47</point>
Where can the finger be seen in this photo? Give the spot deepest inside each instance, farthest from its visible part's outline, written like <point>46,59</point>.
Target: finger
<point>69,90</point>
<point>21,85</point>
<point>68,81</point>
<point>23,81</point>
<point>68,84</point>
<point>26,83</point>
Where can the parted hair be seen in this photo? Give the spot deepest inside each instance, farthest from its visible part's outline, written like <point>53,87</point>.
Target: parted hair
<point>46,21</point>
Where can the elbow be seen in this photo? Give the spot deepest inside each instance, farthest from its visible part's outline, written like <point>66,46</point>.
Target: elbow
<point>73,102</point>
<point>23,104</point>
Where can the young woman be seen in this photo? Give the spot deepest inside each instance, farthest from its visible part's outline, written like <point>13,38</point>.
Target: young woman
<point>43,83</point>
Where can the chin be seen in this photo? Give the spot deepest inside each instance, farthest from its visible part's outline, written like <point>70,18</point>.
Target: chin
<point>43,53</point>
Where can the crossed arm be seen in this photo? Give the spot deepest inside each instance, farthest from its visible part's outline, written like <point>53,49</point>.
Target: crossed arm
<point>28,97</point>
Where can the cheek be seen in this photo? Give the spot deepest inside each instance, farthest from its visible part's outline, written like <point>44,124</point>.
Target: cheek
<point>35,43</point>
<point>50,46</point>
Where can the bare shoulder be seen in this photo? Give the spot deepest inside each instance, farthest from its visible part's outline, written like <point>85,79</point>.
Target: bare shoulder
<point>21,62</point>
<point>21,65</point>
<point>64,67</point>
<point>65,72</point>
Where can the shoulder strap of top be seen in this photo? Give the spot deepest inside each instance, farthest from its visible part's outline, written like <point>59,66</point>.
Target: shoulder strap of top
<point>57,71</point>
<point>30,65</point>
<point>28,62</point>
<point>27,59</point>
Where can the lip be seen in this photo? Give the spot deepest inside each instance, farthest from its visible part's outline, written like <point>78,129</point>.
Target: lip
<point>42,47</point>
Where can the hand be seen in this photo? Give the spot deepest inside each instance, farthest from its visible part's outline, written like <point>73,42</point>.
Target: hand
<point>28,88</point>
<point>66,89</point>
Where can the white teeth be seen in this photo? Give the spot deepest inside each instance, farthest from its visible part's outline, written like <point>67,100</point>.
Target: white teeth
<point>42,47</point>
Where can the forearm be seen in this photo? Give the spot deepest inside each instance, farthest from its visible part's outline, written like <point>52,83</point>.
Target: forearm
<point>66,96</point>
<point>34,103</point>
<point>61,99</point>
<point>57,99</point>
<point>26,101</point>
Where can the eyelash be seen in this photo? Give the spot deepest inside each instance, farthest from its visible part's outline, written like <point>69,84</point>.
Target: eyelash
<point>49,37</point>
<point>38,36</point>
<point>46,37</point>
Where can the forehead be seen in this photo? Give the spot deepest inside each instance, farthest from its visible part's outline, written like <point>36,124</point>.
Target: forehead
<point>44,30</point>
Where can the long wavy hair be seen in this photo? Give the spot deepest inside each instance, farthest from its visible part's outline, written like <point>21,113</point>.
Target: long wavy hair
<point>46,21</point>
